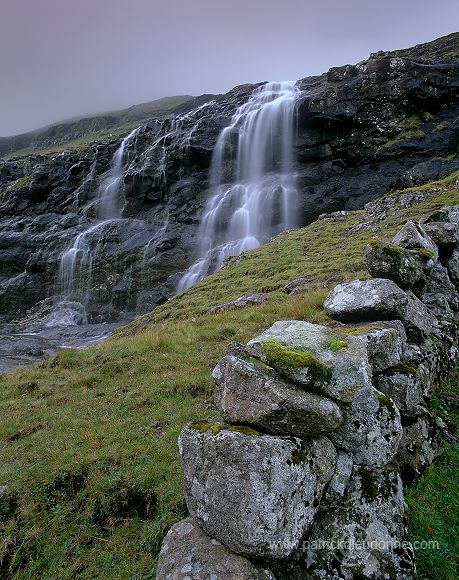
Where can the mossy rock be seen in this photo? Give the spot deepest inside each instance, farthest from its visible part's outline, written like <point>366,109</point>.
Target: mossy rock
<point>280,356</point>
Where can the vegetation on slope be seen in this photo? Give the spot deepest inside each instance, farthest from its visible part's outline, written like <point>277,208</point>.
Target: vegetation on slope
<point>88,438</point>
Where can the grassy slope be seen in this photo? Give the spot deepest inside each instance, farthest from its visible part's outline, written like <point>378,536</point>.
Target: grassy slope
<point>88,438</point>
<point>123,127</point>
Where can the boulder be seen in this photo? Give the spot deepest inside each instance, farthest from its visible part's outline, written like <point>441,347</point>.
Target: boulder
<point>405,267</point>
<point>366,301</point>
<point>444,234</point>
<point>315,357</point>
<point>371,428</point>
<point>365,536</point>
<point>188,553</point>
<point>378,299</point>
<point>439,293</point>
<point>257,494</point>
<point>249,394</point>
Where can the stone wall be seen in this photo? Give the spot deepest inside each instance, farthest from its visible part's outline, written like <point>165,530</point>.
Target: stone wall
<point>303,477</point>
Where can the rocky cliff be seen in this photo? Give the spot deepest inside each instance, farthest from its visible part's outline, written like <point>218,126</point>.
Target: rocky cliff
<point>362,130</point>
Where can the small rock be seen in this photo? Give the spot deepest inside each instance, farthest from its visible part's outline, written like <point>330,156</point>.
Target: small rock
<point>249,394</point>
<point>295,286</point>
<point>257,494</point>
<point>188,553</point>
<point>239,303</point>
<point>405,384</point>
<point>339,483</point>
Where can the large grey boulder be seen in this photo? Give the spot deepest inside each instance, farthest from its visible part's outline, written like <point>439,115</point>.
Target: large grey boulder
<point>371,429</point>
<point>339,483</point>
<point>247,393</point>
<point>405,267</point>
<point>257,494</point>
<point>439,293</point>
<point>380,299</point>
<point>368,300</point>
<point>315,357</point>
<point>188,553</point>
<point>365,536</point>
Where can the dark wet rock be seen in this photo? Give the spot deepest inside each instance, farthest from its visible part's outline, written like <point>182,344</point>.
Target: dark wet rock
<point>249,394</point>
<point>188,553</point>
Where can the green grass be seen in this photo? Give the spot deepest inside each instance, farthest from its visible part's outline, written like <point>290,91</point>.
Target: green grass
<point>88,439</point>
<point>433,500</point>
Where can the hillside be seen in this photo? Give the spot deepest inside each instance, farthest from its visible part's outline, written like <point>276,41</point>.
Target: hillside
<point>75,133</point>
<point>89,437</point>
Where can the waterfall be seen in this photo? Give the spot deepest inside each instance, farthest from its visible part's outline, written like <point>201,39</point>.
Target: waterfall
<point>76,262</point>
<point>253,185</point>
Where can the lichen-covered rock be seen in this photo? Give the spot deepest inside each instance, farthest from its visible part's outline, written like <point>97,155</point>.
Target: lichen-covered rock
<point>421,444</point>
<point>380,299</point>
<point>257,494</point>
<point>365,536</point>
<point>366,301</point>
<point>247,393</point>
<point>413,237</point>
<point>339,483</point>
<point>386,342</point>
<point>405,384</point>
<point>188,553</point>
<point>371,429</point>
<point>405,267</point>
<point>241,302</point>
<point>444,234</point>
<point>315,357</point>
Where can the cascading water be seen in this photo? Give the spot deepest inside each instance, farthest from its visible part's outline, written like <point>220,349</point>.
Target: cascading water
<point>76,262</point>
<point>252,180</point>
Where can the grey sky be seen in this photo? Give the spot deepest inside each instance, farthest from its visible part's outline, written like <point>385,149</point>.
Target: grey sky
<point>62,58</point>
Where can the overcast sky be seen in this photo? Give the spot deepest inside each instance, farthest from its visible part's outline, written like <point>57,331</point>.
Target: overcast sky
<point>62,58</point>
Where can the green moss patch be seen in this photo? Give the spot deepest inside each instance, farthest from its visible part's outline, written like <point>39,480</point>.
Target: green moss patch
<point>280,356</point>
<point>336,344</point>
<point>216,428</point>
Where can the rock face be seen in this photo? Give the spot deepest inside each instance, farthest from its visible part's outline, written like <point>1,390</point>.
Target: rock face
<point>269,485</point>
<point>257,494</point>
<point>189,554</point>
<point>389,121</point>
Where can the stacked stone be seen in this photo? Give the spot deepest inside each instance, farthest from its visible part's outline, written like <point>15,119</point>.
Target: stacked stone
<point>302,477</point>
